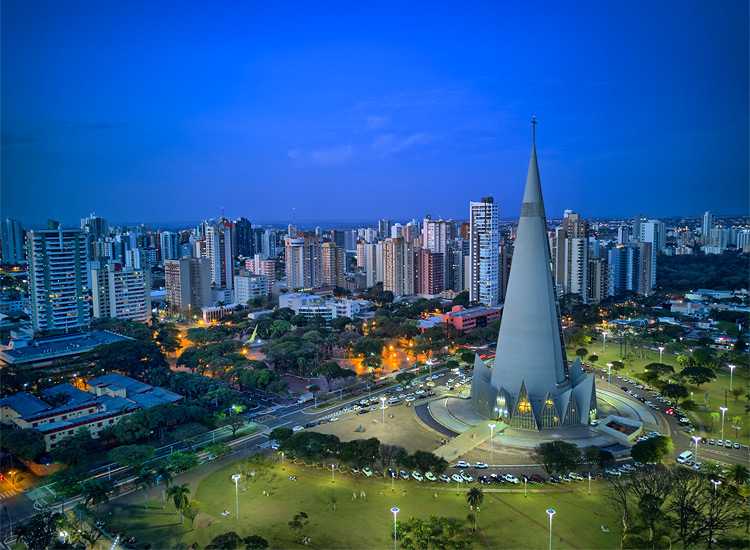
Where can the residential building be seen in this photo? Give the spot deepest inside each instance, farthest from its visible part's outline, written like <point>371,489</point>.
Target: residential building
<point>484,245</point>
<point>466,320</point>
<point>708,222</point>
<point>332,257</point>
<point>268,243</point>
<point>597,280</point>
<point>398,267</point>
<point>12,242</point>
<point>219,253</point>
<point>188,283</point>
<point>260,265</point>
<point>311,305</point>
<point>248,286</point>
<point>428,272</point>
<point>121,292</point>
<point>169,244</point>
<point>303,262</point>
<point>384,228</point>
<point>373,264</point>
<point>58,279</point>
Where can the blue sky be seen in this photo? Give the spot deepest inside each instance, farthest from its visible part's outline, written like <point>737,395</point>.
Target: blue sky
<point>164,111</point>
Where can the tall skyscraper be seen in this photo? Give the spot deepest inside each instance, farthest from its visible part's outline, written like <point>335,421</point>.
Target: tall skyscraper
<point>169,244</point>
<point>531,385</point>
<point>12,241</point>
<point>304,269</point>
<point>243,238</point>
<point>333,264</point>
<point>597,279</point>
<point>569,248</point>
<point>398,267</point>
<point>373,264</point>
<point>428,272</point>
<point>484,250</point>
<point>268,243</point>
<point>219,252</point>
<point>384,228</point>
<point>58,279</point>
<point>188,283</point>
<point>708,222</point>
<point>121,292</point>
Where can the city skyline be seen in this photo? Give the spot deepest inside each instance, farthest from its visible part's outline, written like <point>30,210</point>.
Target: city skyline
<point>359,116</point>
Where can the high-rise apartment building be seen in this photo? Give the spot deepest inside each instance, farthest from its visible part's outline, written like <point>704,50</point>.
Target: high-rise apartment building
<point>484,248</point>
<point>260,265</point>
<point>58,279</point>
<point>333,264</point>
<point>373,264</point>
<point>268,243</point>
<point>169,244</point>
<point>506,260</point>
<point>121,292</point>
<point>304,267</point>
<point>597,280</point>
<point>188,283</point>
<point>398,267</point>
<point>569,248</point>
<point>12,241</point>
<point>708,222</point>
<point>384,228</point>
<point>428,272</point>
<point>248,286</point>
<point>95,227</point>
<point>219,252</point>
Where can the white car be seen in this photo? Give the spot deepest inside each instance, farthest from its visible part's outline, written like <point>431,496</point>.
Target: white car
<point>298,428</point>
<point>510,478</point>
<point>333,419</point>
<point>462,464</point>
<point>444,478</point>
<point>429,476</point>
<point>367,472</point>
<point>417,476</point>
<point>480,465</point>
<point>457,478</point>
<point>467,477</point>
<point>411,398</point>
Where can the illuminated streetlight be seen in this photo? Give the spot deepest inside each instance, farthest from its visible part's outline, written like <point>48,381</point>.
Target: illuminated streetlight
<point>382,407</point>
<point>723,410</point>
<point>333,479</point>
<point>731,371</point>
<point>492,429</point>
<point>716,484</point>
<point>604,340</point>
<point>282,460</point>
<point>551,513</point>
<point>395,511</point>
<point>696,439</point>
<point>661,350</point>
<point>236,478</point>
<point>609,373</point>
<point>589,483</point>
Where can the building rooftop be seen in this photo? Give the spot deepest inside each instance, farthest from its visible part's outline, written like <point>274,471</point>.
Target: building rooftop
<point>45,349</point>
<point>116,379</point>
<point>75,395</point>
<point>155,396</point>
<point>24,403</point>
<point>481,310</point>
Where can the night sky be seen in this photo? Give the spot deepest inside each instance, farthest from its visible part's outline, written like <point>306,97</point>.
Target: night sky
<point>169,111</point>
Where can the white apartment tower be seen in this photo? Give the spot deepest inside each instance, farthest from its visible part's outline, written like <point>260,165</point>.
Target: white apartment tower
<point>58,278</point>
<point>398,267</point>
<point>11,236</point>
<point>219,253</point>
<point>373,264</point>
<point>484,251</point>
<point>304,267</point>
<point>121,292</point>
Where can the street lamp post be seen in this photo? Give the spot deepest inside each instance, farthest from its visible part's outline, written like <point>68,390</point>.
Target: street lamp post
<point>589,483</point>
<point>236,478</point>
<point>609,373</point>
<point>333,479</point>
<point>393,477</point>
<point>282,460</point>
<point>551,513</point>
<point>382,407</point>
<point>604,341</point>
<point>723,410</point>
<point>524,487</point>
<point>661,350</point>
<point>696,439</point>
<point>492,429</point>
<point>395,511</point>
<point>731,371</point>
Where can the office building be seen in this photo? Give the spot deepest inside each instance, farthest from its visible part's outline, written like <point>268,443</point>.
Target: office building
<point>708,222</point>
<point>484,248</point>
<point>58,279</point>
<point>219,253</point>
<point>428,272</point>
<point>12,241</point>
<point>169,244</point>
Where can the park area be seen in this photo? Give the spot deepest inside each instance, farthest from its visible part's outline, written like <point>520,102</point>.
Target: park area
<point>355,512</point>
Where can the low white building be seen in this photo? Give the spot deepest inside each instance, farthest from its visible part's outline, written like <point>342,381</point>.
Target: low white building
<point>311,305</point>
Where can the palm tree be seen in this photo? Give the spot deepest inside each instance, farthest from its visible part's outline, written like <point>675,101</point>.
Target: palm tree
<point>475,497</point>
<point>738,474</point>
<point>711,469</point>
<point>163,476</point>
<point>179,494</point>
<point>145,478</point>
<point>94,491</point>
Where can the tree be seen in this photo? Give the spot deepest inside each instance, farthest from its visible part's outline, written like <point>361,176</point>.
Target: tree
<point>738,474</point>
<point>41,530</point>
<point>698,375</point>
<point>369,345</point>
<point>256,542</point>
<point>26,444</point>
<point>475,497</point>
<point>617,366</point>
<point>557,456</point>
<point>582,353</point>
<point>75,449</point>
<point>659,369</point>
<point>179,495</point>
<point>280,434</point>
<point>593,358</point>
<point>298,522</point>
<point>131,456</point>
<point>434,532</point>
<point>95,492</point>
<point>218,449</point>
<point>675,391</point>
<point>192,510</point>
<point>164,478</point>
<point>234,422</point>
<point>226,541</point>
<point>145,478</point>
<point>468,357</point>
<point>134,358</point>
<point>386,454</point>
<point>405,377</point>
<point>652,449</point>
<point>280,327</point>
<point>67,482</point>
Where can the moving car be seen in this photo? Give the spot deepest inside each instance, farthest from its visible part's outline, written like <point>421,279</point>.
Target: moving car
<point>480,465</point>
<point>462,464</point>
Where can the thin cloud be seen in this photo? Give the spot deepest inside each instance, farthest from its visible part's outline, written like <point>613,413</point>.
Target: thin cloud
<point>377,122</point>
<point>388,144</point>
<point>329,157</point>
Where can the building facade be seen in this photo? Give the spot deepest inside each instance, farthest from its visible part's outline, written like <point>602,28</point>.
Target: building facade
<point>188,283</point>
<point>332,257</point>
<point>304,266</point>
<point>398,267</point>
<point>121,292</point>
<point>484,245</point>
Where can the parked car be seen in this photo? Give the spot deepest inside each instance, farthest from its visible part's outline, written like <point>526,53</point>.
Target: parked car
<point>457,478</point>
<point>391,473</point>
<point>429,476</point>
<point>467,477</point>
<point>354,470</point>
<point>417,476</point>
<point>404,475</point>
<point>554,479</point>
<point>480,465</point>
<point>484,480</point>
<point>462,464</point>
<point>367,472</point>
<point>497,479</point>
<point>298,428</point>
<point>511,478</point>
<point>444,478</point>
<point>538,479</point>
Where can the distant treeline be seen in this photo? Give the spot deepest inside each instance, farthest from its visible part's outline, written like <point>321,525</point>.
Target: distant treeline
<point>728,271</point>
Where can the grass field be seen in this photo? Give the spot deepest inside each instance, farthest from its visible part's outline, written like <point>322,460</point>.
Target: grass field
<point>506,519</point>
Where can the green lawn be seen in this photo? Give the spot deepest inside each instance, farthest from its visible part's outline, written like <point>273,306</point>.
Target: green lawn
<point>506,520</point>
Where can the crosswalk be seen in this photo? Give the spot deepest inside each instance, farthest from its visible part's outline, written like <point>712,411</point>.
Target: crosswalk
<point>9,493</point>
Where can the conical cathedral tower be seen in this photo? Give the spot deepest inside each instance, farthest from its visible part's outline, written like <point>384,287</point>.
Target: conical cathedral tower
<point>531,386</point>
